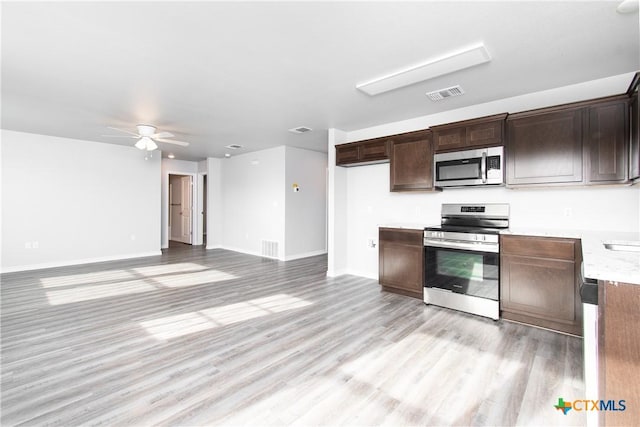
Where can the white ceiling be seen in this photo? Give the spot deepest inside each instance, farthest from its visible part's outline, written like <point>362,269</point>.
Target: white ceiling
<point>217,73</point>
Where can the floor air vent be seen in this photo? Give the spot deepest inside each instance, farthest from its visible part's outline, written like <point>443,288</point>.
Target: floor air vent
<point>269,249</point>
<point>440,94</point>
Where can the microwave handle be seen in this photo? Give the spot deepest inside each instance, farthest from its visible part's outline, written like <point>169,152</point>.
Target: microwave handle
<point>483,167</point>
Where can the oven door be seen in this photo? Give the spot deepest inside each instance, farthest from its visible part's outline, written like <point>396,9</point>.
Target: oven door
<point>463,271</point>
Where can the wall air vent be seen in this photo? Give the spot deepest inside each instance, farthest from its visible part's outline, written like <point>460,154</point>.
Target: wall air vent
<point>269,249</point>
<point>300,129</point>
<point>440,94</point>
<point>233,146</point>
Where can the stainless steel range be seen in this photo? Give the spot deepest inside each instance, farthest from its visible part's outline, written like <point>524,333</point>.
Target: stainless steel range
<point>462,258</point>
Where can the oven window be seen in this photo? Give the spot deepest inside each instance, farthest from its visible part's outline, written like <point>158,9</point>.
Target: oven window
<point>463,265</point>
<point>458,169</point>
<point>463,271</point>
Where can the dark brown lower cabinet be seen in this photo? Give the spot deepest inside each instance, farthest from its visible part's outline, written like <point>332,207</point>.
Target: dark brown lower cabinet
<point>619,351</point>
<point>401,261</point>
<point>539,282</point>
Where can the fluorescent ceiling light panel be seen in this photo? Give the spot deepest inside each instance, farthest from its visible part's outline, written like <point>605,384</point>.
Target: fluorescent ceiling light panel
<point>475,55</point>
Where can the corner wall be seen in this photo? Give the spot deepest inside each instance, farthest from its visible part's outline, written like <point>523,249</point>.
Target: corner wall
<point>253,201</point>
<point>73,201</point>
<point>306,209</point>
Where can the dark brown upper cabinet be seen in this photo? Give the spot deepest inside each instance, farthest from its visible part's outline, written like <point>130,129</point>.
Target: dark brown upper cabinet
<point>411,166</point>
<point>481,132</point>
<point>634,152</point>
<point>580,143</point>
<point>544,147</point>
<point>363,152</point>
<point>606,142</point>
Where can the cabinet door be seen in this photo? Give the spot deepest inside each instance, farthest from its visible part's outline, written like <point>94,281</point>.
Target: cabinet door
<point>619,350</point>
<point>374,150</point>
<point>448,139</point>
<point>545,148</point>
<point>401,261</point>
<point>539,287</point>
<point>346,154</point>
<point>606,143</point>
<point>485,134</point>
<point>634,161</point>
<point>401,266</point>
<point>411,166</point>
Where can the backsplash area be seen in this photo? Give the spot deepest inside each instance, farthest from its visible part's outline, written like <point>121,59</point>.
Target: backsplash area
<point>370,203</point>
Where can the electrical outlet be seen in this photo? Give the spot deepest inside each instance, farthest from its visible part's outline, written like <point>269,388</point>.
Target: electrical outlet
<point>371,243</point>
<point>35,245</point>
<point>568,212</point>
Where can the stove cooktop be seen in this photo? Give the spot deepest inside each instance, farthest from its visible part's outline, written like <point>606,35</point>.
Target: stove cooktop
<point>463,229</point>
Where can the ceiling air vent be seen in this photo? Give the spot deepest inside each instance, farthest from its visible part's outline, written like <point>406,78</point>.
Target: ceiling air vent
<point>233,146</point>
<point>440,94</point>
<point>300,129</point>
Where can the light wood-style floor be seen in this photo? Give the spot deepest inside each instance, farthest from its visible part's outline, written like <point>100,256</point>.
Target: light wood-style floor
<point>197,337</point>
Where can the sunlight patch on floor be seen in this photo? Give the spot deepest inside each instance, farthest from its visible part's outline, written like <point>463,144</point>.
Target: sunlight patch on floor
<point>191,279</point>
<point>197,321</point>
<point>92,292</point>
<point>121,274</point>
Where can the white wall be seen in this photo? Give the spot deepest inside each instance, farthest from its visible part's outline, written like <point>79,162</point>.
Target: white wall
<point>253,201</point>
<point>81,201</point>
<point>178,167</point>
<point>368,203</point>
<point>336,209</point>
<point>214,201</point>
<point>305,210</point>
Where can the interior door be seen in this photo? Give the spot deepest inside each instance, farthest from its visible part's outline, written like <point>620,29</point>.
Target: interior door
<point>186,214</point>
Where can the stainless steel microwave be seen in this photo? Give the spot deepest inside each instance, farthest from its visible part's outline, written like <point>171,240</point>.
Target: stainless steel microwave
<point>484,166</point>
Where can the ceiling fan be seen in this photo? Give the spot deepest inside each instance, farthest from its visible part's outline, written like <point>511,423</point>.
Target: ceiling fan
<point>147,137</point>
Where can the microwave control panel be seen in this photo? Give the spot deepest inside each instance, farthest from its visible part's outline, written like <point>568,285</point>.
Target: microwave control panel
<point>493,162</point>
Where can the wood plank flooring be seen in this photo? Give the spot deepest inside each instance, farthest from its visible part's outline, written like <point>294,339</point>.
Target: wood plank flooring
<point>196,337</point>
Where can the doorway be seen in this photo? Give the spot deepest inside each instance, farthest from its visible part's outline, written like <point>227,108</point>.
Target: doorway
<point>204,210</point>
<point>181,208</point>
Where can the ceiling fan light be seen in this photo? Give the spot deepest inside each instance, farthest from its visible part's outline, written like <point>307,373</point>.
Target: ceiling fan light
<point>141,144</point>
<point>151,145</point>
<point>146,130</point>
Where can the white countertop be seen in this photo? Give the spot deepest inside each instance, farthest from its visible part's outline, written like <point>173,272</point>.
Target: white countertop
<point>407,225</point>
<point>599,262</point>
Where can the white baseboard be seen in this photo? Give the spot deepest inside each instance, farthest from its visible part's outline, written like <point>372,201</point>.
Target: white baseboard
<point>362,274</point>
<point>305,255</point>
<point>213,247</point>
<point>336,273</point>
<point>77,262</point>
<point>242,251</point>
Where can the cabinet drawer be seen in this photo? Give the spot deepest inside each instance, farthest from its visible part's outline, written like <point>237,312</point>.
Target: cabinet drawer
<point>541,247</point>
<point>402,235</point>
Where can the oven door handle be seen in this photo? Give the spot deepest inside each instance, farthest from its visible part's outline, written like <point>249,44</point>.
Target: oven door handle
<point>483,167</point>
<point>478,246</point>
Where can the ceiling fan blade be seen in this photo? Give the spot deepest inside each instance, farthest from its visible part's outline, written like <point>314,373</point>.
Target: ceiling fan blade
<point>171,141</point>
<point>162,135</point>
<point>125,131</point>
<point>119,136</point>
